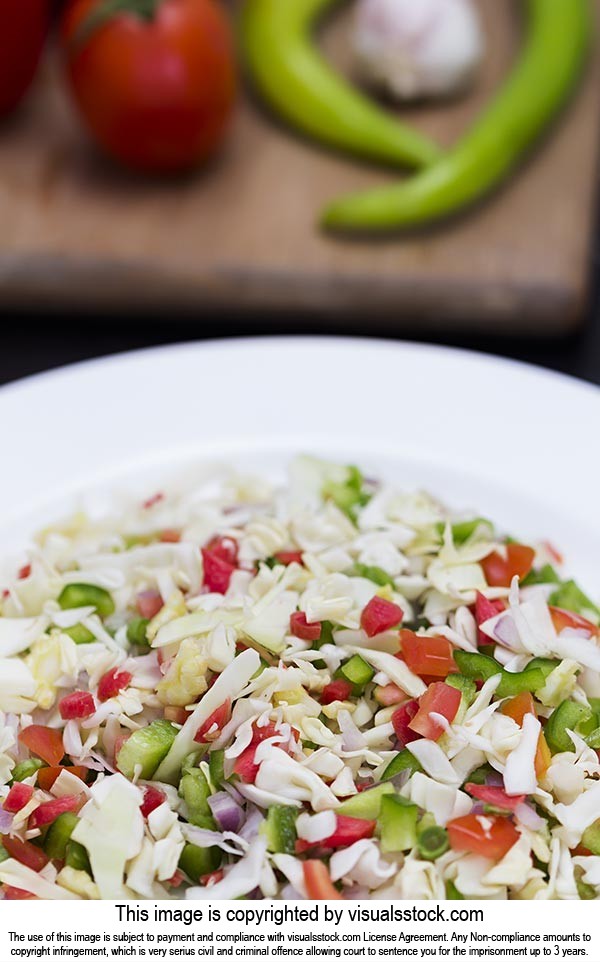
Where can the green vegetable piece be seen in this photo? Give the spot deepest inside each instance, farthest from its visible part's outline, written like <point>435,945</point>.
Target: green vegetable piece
<point>557,40</point>
<point>593,739</point>
<point>404,761</point>
<point>59,835</point>
<point>146,747</point>
<point>514,682</point>
<point>77,857</point>
<point>571,597</point>
<point>358,672</point>
<point>452,893</point>
<point>479,776</point>
<point>466,687</point>
<point>591,838</point>
<point>80,634</point>
<point>367,804</point>
<point>542,576</point>
<point>196,861</point>
<point>298,83</point>
<point>433,842</point>
<point>568,715</point>
<point>463,530</point>
<point>398,824</point>
<point>136,632</point>
<point>483,667</point>
<point>3,854</point>
<point>195,791</point>
<point>280,829</point>
<point>81,595</point>
<point>348,495</point>
<point>377,575</point>
<point>26,769</point>
<point>586,892</point>
<point>216,767</point>
<point>545,665</point>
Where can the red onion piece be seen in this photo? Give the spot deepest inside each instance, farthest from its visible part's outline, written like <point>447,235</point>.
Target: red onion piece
<point>6,820</point>
<point>506,632</point>
<point>529,817</point>
<point>227,813</point>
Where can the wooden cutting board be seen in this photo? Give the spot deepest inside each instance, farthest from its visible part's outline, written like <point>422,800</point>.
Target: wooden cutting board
<point>241,235</point>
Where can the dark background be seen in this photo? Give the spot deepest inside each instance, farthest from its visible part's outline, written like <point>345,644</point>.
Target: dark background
<point>30,343</point>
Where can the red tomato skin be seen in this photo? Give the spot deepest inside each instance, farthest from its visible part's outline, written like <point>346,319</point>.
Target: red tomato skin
<point>18,797</point>
<point>401,720</point>
<point>44,742</point>
<point>471,833</point>
<point>300,627</point>
<point>439,698</point>
<point>156,95</point>
<point>337,690</point>
<point>12,894</point>
<point>427,655</point>
<point>494,795</point>
<point>484,609</point>
<point>22,39</point>
<point>499,570</point>
<point>380,615</point>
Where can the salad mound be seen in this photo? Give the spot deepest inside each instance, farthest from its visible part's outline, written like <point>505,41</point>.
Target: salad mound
<point>327,690</point>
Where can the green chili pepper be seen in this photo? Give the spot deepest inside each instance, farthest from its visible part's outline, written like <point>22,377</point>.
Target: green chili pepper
<point>568,715</point>
<point>81,595</point>
<point>398,824</point>
<point>298,83</point>
<point>433,842</point>
<point>558,33</point>
<point>26,769</point>
<point>511,682</point>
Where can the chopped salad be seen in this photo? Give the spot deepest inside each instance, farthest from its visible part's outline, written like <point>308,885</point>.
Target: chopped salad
<point>327,690</point>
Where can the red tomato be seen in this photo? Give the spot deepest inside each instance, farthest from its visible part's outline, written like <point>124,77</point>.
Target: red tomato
<point>153,797</point>
<point>494,795</point>
<point>22,38</point>
<point>79,704</point>
<point>112,683</point>
<point>25,853</point>
<point>561,619</point>
<point>489,835</point>
<point>289,557</point>
<point>318,881</point>
<point>44,742</point>
<point>217,572</point>
<point>337,690</point>
<point>216,721</point>
<point>12,894</point>
<point>499,570</point>
<point>49,811</point>
<point>244,765</point>
<point>380,615</point>
<point>347,831</point>
<point>155,92</point>
<point>484,609</point>
<point>441,699</point>
<point>224,548</point>
<point>401,720</point>
<point>426,655</point>
<point>47,776</point>
<point>306,630</point>
<point>148,604</point>
<point>18,797</point>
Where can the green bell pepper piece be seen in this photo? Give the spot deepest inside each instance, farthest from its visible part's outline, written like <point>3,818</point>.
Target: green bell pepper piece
<point>59,835</point>
<point>404,761</point>
<point>356,671</point>
<point>146,747</point>
<point>195,791</point>
<point>79,634</point>
<point>398,824</point>
<point>196,862</point>
<point>280,829</point>
<point>572,598</point>
<point>483,667</point>
<point>81,595</point>
<point>591,838</point>
<point>367,804</point>
<point>26,769</point>
<point>136,632</point>
<point>568,715</point>
<point>466,686</point>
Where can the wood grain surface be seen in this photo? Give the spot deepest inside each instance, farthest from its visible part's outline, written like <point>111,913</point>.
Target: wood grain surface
<point>241,235</point>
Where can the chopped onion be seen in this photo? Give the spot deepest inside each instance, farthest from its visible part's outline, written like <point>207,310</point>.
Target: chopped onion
<point>6,820</point>
<point>529,817</point>
<point>352,739</point>
<point>226,811</point>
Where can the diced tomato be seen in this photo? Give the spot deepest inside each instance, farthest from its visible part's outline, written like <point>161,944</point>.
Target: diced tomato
<point>494,795</point>
<point>427,655</point>
<point>318,881</point>
<point>484,609</point>
<point>13,894</point>
<point>49,811</point>
<point>306,630</point>
<point>401,720</point>
<point>24,572</point>
<point>245,767</point>
<point>112,683</point>
<point>516,708</point>
<point>44,742</point>
<point>176,714</point>
<point>47,776</point>
<point>388,695</point>
<point>289,557</point>
<point>491,836</point>
<point>79,704</point>
<point>263,733</point>
<point>18,797</point>
<point>561,619</point>
<point>154,500</point>
<point>441,699</point>
<point>500,569</point>
<point>224,548</point>
<point>25,853</point>
<point>153,797</point>
<point>148,604</point>
<point>380,615</point>
<point>217,572</point>
<point>337,690</point>
<point>170,536</point>
<point>347,831</point>
<point>211,728</point>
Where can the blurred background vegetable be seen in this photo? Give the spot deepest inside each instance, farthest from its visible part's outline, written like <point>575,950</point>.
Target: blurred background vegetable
<point>411,50</point>
<point>154,80</point>
<point>22,36</point>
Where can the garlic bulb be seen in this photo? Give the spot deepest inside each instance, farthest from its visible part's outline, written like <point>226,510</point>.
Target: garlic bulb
<point>413,49</point>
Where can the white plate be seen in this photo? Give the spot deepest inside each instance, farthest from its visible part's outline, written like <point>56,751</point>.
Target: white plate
<point>513,442</point>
